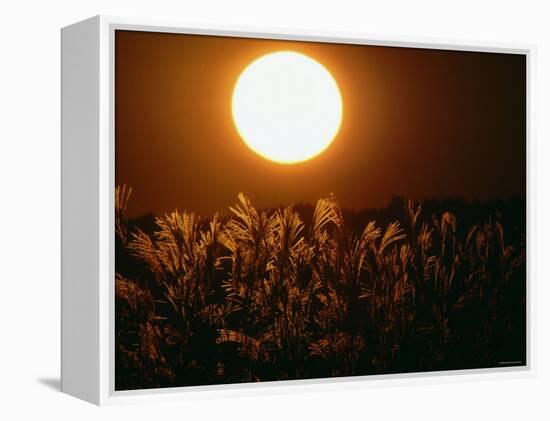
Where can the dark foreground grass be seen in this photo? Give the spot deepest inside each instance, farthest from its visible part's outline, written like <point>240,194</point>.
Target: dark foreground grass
<point>263,296</point>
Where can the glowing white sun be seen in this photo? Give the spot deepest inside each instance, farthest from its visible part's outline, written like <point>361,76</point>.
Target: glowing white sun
<point>287,107</point>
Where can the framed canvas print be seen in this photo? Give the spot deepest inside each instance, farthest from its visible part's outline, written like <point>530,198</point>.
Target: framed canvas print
<point>242,209</point>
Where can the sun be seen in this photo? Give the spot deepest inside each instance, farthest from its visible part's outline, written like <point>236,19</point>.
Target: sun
<point>287,107</point>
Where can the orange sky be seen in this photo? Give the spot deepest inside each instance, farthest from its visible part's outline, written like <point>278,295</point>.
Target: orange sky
<point>419,123</point>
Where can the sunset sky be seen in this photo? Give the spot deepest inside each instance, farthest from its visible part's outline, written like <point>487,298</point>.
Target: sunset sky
<point>416,122</point>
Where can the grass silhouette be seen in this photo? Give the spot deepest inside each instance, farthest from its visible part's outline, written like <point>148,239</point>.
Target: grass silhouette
<point>261,295</point>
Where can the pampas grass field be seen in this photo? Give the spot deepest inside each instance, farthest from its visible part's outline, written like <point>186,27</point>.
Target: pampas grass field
<point>277,294</point>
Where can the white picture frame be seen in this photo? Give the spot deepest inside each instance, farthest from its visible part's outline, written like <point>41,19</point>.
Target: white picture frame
<point>87,323</point>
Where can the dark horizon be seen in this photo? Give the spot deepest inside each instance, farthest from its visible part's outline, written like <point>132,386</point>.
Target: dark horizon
<point>442,202</point>
<point>418,123</point>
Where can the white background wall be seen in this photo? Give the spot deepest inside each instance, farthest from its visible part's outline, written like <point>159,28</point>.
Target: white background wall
<point>29,208</point>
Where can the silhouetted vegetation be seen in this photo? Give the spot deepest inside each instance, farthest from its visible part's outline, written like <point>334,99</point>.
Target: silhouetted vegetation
<point>306,292</point>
